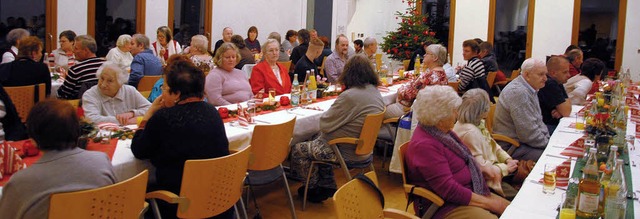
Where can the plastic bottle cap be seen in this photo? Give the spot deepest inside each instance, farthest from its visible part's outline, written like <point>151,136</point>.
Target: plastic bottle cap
<point>594,150</point>
<point>613,148</point>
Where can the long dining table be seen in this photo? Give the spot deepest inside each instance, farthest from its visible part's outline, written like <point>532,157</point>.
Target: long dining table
<point>531,202</point>
<point>307,125</point>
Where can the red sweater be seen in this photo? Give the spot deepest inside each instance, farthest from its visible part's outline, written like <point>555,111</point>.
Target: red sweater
<point>262,77</point>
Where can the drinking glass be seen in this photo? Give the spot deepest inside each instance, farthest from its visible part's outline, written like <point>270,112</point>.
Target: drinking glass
<point>568,207</point>
<point>251,108</point>
<point>579,124</point>
<point>549,181</point>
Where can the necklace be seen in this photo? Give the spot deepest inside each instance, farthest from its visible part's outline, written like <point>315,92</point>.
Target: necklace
<point>189,100</point>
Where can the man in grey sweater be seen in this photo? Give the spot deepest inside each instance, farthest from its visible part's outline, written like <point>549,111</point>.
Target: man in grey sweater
<point>518,113</point>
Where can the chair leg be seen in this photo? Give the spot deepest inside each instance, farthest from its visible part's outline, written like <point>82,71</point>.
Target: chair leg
<point>156,210</point>
<point>306,186</point>
<point>286,187</point>
<point>243,209</point>
<point>384,154</point>
<point>344,166</point>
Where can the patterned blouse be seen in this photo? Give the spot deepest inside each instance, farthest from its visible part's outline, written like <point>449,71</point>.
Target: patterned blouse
<point>407,93</point>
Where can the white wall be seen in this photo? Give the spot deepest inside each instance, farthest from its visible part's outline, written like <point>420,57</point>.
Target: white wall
<point>472,21</point>
<point>268,16</point>
<point>552,28</point>
<point>631,53</point>
<point>373,18</point>
<point>156,16</point>
<point>72,15</point>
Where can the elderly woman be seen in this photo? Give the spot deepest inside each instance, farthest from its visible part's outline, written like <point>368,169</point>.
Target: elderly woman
<point>268,73</point>
<point>13,38</point>
<point>54,128</point>
<point>27,68</point>
<point>434,57</point>
<point>578,86</point>
<point>252,40</point>
<point>165,46</point>
<point>246,57</point>
<point>63,56</point>
<point>472,131</point>
<point>112,100</point>
<point>290,41</point>
<point>225,84</point>
<point>436,159</point>
<point>344,119</point>
<point>200,54</point>
<point>121,54</point>
<point>179,126</point>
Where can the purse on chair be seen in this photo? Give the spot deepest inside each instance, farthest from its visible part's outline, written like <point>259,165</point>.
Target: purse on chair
<point>524,168</point>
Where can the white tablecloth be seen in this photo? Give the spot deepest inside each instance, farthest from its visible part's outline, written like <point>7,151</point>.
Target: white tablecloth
<point>531,202</point>
<point>307,125</point>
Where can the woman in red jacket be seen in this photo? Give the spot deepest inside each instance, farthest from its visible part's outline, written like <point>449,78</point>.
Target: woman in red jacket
<point>268,73</point>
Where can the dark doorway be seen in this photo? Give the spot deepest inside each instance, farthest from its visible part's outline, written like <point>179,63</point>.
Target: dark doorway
<point>13,15</point>
<point>113,18</point>
<point>322,17</point>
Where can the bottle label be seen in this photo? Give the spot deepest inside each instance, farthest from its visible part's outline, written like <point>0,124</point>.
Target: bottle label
<point>588,203</point>
<point>295,99</point>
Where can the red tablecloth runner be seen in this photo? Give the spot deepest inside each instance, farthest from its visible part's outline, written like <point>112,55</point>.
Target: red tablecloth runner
<point>109,149</point>
<point>231,119</point>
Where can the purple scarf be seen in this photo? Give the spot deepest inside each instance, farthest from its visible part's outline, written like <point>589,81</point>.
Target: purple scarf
<point>453,143</point>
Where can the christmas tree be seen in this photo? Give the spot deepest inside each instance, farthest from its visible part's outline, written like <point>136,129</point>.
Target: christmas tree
<point>412,34</point>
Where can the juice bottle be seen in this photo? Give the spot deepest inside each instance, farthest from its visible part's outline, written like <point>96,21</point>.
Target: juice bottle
<point>589,188</point>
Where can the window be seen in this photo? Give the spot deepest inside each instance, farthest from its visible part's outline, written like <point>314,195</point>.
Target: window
<point>13,15</point>
<point>511,33</point>
<point>112,19</point>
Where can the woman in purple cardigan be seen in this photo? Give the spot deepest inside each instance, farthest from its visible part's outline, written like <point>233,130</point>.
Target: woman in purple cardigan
<point>436,159</point>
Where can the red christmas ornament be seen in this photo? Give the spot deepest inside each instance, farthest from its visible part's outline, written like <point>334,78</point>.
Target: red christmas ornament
<point>432,33</point>
<point>426,32</point>
<point>406,44</point>
<point>388,50</point>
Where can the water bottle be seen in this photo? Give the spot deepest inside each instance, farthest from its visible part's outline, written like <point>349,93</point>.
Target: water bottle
<point>616,202</point>
<point>295,91</point>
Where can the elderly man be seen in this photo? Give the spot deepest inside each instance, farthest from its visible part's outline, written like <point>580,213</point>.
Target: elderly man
<point>112,100</point>
<point>227,33</point>
<point>518,114</point>
<point>575,57</point>
<point>554,101</point>
<point>370,48</point>
<point>335,62</point>
<point>144,62</point>
<point>84,71</point>
<point>13,38</point>
<point>306,62</point>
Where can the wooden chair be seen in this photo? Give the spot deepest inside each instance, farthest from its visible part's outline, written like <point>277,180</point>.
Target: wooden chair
<point>121,200</point>
<point>25,97</point>
<point>321,68</point>
<point>286,64</point>
<point>75,103</point>
<point>454,85</point>
<point>209,186</point>
<point>269,148</point>
<point>356,199</point>
<point>513,76</point>
<point>499,137</point>
<point>491,77</point>
<point>145,94</point>
<point>393,121</point>
<point>405,63</point>
<point>364,146</point>
<point>146,82</point>
<point>436,200</point>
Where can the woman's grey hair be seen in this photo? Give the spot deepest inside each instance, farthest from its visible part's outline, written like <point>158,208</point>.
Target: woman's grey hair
<point>475,103</point>
<point>440,52</point>
<point>275,36</point>
<point>199,42</point>
<point>269,41</point>
<point>122,77</point>
<point>435,103</point>
<point>16,34</point>
<point>123,40</point>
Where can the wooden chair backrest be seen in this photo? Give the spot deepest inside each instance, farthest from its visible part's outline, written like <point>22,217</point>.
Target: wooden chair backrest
<point>491,77</point>
<point>405,63</point>
<point>25,97</point>
<point>321,68</point>
<point>369,133</point>
<point>146,82</point>
<point>270,145</point>
<point>454,85</point>
<point>356,199</point>
<point>286,64</point>
<point>489,121</point>
<point>121,200</point>
<point>75,103</point>
<point>514,74</point>
<point>213,185</point>
<point>378,61</point>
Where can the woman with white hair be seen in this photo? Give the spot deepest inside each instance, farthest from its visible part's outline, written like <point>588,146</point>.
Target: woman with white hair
<point>13,38</point>
<point>121,54</point>
<point>473,132</point>
<point>199,53</point>
<point>436,159</point>
<point>112,100</point>
<point>269,74</point>
<point>434,57</point>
